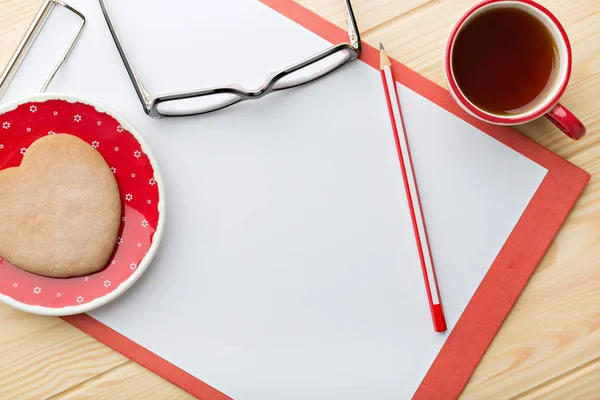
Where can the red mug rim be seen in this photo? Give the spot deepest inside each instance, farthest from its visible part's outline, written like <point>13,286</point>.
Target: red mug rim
<point>497,119</point>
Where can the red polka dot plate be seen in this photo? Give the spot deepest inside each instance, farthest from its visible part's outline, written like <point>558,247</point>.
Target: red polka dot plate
<point>141,191</point>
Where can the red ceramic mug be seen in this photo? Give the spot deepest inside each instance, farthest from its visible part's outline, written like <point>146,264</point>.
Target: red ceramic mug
<point>548,103</point>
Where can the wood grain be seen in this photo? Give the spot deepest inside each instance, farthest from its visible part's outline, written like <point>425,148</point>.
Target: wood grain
<point>548,348</point>
<point>111,385</point>
<point>40,357</point>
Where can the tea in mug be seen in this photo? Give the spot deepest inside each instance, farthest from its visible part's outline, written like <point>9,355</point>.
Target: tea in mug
<point>505,60</point>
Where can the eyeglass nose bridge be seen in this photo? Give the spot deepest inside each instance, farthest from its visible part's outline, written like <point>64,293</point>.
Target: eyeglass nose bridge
<point>250,94</point>
<point>267,87</point>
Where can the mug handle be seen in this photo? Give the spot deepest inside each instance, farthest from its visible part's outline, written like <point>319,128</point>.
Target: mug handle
<point>566,122</point>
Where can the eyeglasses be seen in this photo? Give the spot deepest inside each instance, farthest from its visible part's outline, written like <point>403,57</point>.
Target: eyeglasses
<point>212,99</point>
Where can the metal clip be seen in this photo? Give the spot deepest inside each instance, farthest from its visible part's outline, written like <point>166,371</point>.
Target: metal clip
<point>29,38</point>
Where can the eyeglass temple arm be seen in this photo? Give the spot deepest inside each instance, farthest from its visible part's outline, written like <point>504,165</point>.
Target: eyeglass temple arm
<point>140,90</point>
<point>353,32</point>
<point>30,37</point>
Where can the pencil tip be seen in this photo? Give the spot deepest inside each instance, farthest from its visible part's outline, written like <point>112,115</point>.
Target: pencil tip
<point>384,60</point>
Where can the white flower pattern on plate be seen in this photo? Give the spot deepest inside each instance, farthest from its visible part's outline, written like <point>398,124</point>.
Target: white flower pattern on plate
<point>86,279</point>
<point>129,197</point>
<point>124,219</point>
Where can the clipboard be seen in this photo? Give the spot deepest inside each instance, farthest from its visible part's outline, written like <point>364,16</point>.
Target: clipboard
<point>499,289</point>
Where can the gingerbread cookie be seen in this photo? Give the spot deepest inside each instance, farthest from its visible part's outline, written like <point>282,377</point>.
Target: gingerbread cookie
<point>60,211</point>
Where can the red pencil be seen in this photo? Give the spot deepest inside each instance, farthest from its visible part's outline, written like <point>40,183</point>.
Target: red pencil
<point>412,193</point>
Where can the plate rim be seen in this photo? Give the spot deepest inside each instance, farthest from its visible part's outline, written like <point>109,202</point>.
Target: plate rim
<point>156,238</point>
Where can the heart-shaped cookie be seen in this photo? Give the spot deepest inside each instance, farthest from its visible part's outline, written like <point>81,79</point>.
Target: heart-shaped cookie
<point>60,210</point>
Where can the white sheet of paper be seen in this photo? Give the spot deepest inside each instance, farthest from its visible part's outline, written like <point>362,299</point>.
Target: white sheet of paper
<point>288,269</point>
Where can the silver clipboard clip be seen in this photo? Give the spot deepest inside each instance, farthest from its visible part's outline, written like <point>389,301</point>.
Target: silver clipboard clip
<point>29,38</point>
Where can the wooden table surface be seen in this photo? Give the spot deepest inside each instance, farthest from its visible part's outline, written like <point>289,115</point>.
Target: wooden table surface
<point>548,348</point>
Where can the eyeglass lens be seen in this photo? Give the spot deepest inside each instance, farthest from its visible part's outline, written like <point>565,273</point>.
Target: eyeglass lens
<point>313,71</point>
<point>196,105</point>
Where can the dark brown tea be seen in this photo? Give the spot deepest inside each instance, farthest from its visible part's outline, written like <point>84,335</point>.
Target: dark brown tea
<point>505,60</point>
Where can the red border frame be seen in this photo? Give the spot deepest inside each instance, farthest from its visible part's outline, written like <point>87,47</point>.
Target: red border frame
<point>502,284</point>
<point>491,117</point>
